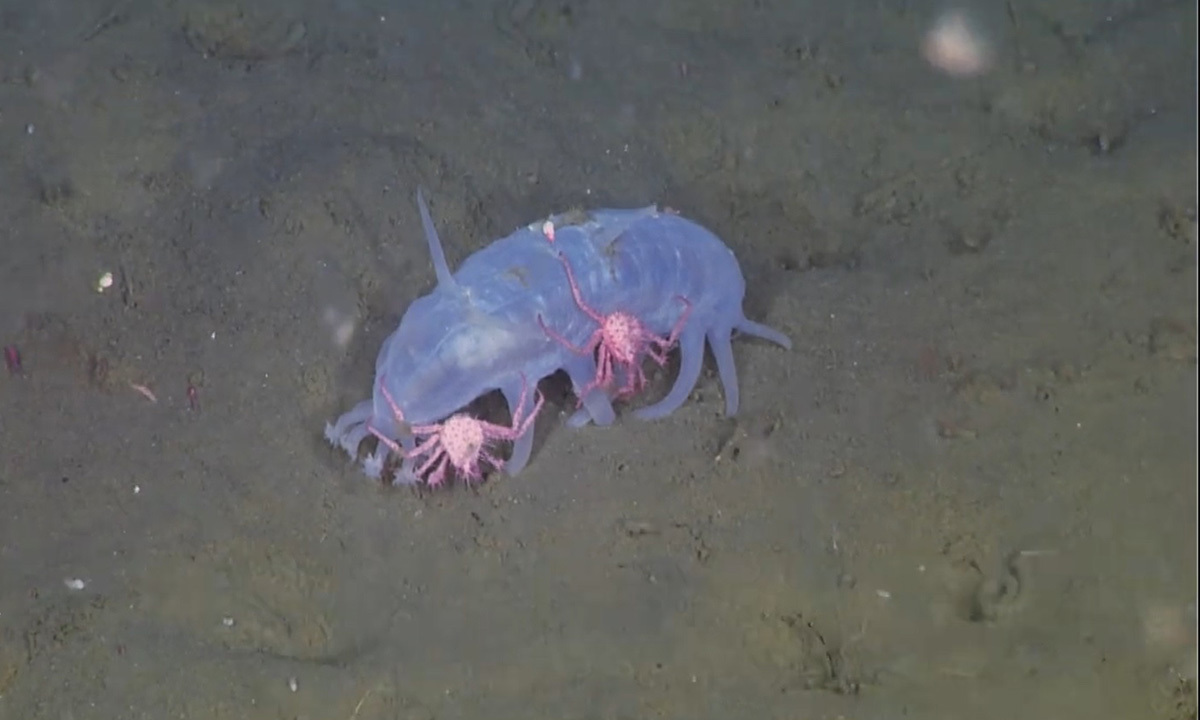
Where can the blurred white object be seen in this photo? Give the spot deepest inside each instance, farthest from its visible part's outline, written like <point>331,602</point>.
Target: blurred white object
<point>338,302</point>
<point>341,326</point>
<point>956,47</point>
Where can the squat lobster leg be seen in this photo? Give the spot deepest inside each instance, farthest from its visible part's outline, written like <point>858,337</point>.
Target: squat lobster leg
<point>460,441</point>
<point>620,342</point>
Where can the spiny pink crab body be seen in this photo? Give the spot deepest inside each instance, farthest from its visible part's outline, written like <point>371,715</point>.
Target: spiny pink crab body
<point>620,342</point>
<point>460,442</point>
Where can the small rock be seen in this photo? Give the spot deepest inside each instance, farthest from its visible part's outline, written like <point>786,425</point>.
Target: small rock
<point>954,430</point>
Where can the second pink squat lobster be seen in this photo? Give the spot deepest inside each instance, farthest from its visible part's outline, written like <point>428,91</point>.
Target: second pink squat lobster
<point>619,343</point>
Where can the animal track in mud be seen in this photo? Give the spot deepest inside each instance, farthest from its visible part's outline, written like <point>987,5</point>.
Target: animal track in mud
<point>57,623</point>
<point>1179,702</point>
<point>1094,81</point>
<point>228,31</point>
<point>813,663</point>
<point>796,236</point>
<point>979,596</point>
<point>245,597</point>
<point>679,537</point>
<point>539,27</point>
<point>996,597</point>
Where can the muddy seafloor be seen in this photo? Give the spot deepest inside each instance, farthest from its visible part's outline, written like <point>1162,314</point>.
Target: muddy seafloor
<point>968,491</point>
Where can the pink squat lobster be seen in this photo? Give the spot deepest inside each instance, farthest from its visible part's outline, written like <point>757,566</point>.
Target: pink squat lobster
<point>622,339</point>
<point>460,441</point>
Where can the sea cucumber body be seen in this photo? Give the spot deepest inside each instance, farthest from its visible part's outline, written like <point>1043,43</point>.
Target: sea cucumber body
<point>481,332</point>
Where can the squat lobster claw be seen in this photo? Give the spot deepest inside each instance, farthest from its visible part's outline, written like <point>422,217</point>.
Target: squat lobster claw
<point>619,343</point>
<point>460,441</point>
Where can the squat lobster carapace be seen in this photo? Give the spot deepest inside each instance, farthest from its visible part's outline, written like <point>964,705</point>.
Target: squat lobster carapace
<point>619,343</point>
<point>460,442</point>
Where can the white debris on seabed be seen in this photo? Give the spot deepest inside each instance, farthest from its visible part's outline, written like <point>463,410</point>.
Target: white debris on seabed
<point>75,584</point>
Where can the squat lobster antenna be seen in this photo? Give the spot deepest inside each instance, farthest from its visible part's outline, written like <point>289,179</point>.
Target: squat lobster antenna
<point>444,278</point>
